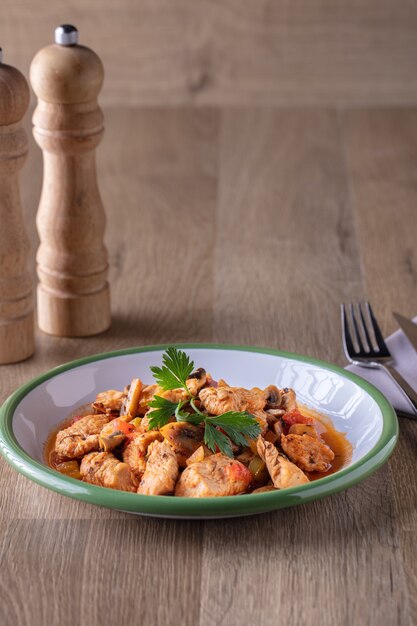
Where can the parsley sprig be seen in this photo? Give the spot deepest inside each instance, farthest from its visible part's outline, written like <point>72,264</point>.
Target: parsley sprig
<point>235,426</point>
<point>175,370</point>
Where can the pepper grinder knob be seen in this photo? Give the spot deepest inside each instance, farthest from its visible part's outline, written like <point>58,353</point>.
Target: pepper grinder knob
<point>66,35</point>
<point>17,338</point>
<point>72,265</point>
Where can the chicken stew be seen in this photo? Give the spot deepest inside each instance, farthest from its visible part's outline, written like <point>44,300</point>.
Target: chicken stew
<point>191,436</point>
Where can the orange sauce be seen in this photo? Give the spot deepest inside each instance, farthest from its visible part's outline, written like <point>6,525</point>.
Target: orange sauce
<point>336,440</point>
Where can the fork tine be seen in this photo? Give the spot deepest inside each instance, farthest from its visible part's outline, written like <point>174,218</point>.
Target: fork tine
<point>356,327</point>
<point>347,338</point>
<point>365,325</point>
<point>383,350</point>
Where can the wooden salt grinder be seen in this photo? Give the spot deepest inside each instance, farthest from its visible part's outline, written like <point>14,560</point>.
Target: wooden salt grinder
<point>16,298</point>
<point>73,293</point>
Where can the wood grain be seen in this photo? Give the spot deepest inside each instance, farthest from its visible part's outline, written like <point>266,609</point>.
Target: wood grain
<point>284,231</point>
<point>382,162</point>
<point>67,566</point>
<point>290,565</point>
<point>244,225</point>
<point>233,52</point>
<point>17,340</point>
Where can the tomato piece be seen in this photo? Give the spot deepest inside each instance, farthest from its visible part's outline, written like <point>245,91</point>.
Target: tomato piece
<point>238,472</point>
<point>295,417</point>
<point>123,426</point>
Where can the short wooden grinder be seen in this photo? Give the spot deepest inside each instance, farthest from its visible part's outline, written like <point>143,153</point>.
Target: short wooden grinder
<point>73,292</point>
<point>16,294</point>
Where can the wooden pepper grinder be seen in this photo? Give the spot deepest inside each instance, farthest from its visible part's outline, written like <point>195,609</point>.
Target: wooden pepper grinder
<point>16,297</point>
<point>73,293</point>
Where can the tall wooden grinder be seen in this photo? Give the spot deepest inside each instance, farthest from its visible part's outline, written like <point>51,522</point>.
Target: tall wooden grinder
<point>73,292</point>
<point>16,296</point>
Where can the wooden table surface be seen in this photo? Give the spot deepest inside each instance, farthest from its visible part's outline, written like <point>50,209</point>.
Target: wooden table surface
<point>249,226</point>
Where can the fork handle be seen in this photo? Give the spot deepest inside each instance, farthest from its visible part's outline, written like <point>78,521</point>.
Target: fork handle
<point>404,386</point>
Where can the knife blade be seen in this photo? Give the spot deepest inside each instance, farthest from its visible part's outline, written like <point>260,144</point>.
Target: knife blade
<point>408,327</point>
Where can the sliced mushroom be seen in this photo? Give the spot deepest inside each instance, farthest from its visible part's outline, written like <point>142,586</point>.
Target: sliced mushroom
<point>278,429</point>
<point>110,441</point>
<point>197,380</point>
<point>131,403</point>
<point>184,439</point>
<point>275,412</point>
<point>288,400</point>
<point>273,397</point>
<point>114,433</point>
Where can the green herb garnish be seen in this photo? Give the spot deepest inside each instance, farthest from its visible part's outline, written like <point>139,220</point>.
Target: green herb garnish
<point>235,426</point>
<point>163,411</point>
<point>175,370</point>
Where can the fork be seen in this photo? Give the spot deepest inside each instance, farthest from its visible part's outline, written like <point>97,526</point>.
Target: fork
<point>364,345</point>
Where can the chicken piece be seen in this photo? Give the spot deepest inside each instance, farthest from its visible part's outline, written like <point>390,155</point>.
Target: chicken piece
<point>135,452</point>
<point>81,437</point>
<point>104,470</point>
<point>184,439</point>
<point>307,452</point>
<point>218,400</point>
<point>283,473</point>
<point>265,488</point>
<point>174,395</point>
<point>148,392</point>
<point>109,402</point>
<point>217,475</point>
<point>161,471</point>
<point>303,429</point>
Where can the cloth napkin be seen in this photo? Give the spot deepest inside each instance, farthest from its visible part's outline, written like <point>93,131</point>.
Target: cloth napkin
<point>405,361</point>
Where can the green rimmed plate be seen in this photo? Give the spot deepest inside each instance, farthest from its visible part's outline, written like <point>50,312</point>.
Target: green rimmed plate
<point>355,407</point>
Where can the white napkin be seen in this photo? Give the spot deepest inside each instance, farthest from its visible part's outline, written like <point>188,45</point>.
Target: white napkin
<point>405,361</point>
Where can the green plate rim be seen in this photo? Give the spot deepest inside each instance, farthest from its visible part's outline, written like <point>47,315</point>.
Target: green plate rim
<point>167,506</point>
